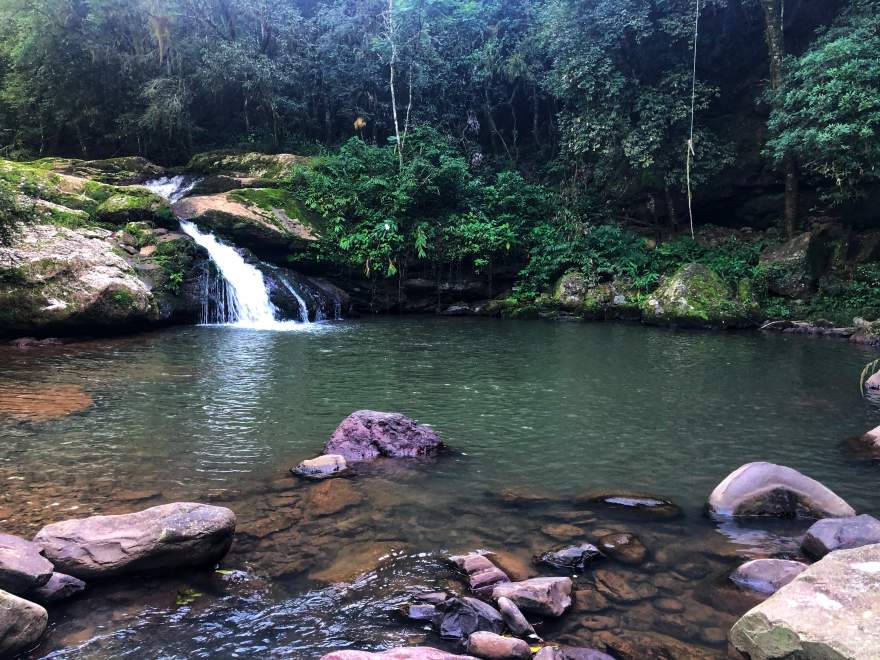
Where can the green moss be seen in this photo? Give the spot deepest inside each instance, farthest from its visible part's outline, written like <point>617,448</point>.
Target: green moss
<point>175,258</point>
<point>274,167</point>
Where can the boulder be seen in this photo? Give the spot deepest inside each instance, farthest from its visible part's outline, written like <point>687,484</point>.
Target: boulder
<point>840,534</point>
<point>328,465</point>
<point>570,653</point>
<point>571,290</point>
<point>767,576</point>
<point>482,573</point>
<point>162,537</point>
<point>514,619</point>
<point>549,596</point>
<point>464,616</point>
<point>623,588</point>
<point>766,489</point>
<point>646,506</point>
<point>59,587</point>
<point>572,558</point>
<point>22,565</point>
<point>410,653</point>
<point>828,611</point>
<point>419,611</point>
<point>22,623</point>
<point>625,548</point>
<point>694,296</point>
<point>490,646</point>
<point>793,268</point>
<point>367,434</point>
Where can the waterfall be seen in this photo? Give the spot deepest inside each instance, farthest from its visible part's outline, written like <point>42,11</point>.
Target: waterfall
<point>172,188</point>
<point>241,298</point>
<point>303,308</point>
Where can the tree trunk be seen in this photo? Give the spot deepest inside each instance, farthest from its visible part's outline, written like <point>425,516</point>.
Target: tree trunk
<point>774,35</point>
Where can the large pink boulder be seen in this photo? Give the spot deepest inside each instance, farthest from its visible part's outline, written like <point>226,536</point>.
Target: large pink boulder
<point>161,537</point>
<point>368,434</point>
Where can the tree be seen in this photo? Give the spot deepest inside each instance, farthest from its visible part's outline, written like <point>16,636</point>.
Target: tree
<point>827,110</point>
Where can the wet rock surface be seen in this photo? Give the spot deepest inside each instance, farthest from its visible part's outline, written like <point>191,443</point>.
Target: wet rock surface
<point>22,565</point>
<point>162,537</point>
<point>464,616</point>
<point>368,434</point>
<point>490,646</point>
<point>625,548</point>
<point>515,620</point>
<point>411,653</point>
<point>766,489</point>
<point>572,558</point>
<point>832,534</point>
<point>59,587</point>
<point>22,623</point>
<point>549,596</point>
<point>767,575</point>
<point>328,465</point>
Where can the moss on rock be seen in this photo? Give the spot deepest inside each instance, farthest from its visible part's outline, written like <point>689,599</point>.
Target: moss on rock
<point>247,164</point>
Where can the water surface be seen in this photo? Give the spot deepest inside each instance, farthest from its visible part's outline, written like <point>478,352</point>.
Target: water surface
<point>219,414</point>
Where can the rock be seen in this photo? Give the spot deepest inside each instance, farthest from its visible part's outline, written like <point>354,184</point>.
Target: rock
<point>562,531</point>
<point>570,653</point>
<point>571,290</point>
<point>482,573</point>
<point>767,575</point>
<point>330,497</point>
<point>367,434</point>
<point>419,611</point>
<point>635,645</point>
<point>22,623</point>
<point>840,534</point>
<point>694,296</point>
<point>644,505</point>
<point>625,548</point>
<point>668,605</point>
<point>828,611</point>
<point>549,596</point>
<point>410,653</point>
<point>464,616</point>
<point>162,537</point>
<point>766,489</point>
<point>327,465</point>
<point>514,619</point>
<point>869,443</point>
<point>490,646</point>
<point>22,565</point>
<point>590,600</point>
<point>59,587</point>
<point>793,268</point>
<point>621,588</point>
<point>572,558</point>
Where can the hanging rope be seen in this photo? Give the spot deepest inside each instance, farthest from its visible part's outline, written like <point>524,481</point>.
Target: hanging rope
<point>690,143</point>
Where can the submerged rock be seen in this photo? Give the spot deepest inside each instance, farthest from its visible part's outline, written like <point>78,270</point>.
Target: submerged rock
<point>490,646</point>
<point>410,653</point>
<point>570,653</point>
<point>368,434</point>
<point>59,587</point>
<point>514,619</point>
<point>840,534</point>
<point>572,558</point>
<point>625,548</point>
<point>464,616</point>
<point>623,588</point>
<point>549,596</point>
<point>828,611</point>
<point>328,465</point>
<point>22,623</point>
<point>22,565</point>
<point>766,489</point>
<point>637,503</point>
<point>161,537</point>
<point>767,576</point>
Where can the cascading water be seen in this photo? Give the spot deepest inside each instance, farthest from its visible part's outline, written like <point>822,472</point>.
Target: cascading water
<point>303,308</point>
<point>172,188</point>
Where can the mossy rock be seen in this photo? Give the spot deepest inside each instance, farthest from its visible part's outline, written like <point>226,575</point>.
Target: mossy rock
<point>571,290</point>
<point>694,296</point>
<point>134,204</point>
<point>247,164</point>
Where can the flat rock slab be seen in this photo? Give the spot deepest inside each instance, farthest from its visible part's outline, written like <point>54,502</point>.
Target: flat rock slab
<point>767,576</point>
<point>368,434</point>
<point>829,611</point>
<point>161,537</point>
<point>549,596</point>
<point>22,566</point>
<point>22,623</point>
<point>766,489</point>
<point>570,653</point>
<point>411,653</point>
<point>840,534</point>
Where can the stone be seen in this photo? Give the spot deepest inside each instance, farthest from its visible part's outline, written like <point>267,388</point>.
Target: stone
<point>792,268</point>
<point>410,653</point>
<point>464,616</point>
<point>828,611</point>
<point>590,600</point>
<point>331,497</point>
<point>840,534</point>
<point>367,434</point>
<point>514,619</point>
<point>572,558</point>
<point>694,296</point>
<point>570,290</point>
<point>562,531</point>
<point>490,646</point>
<point>43,402</point>
<point>549,596</point>
<point>637,645</point>
<point>168,536</point>
<point>147,251</point>
<point>646,506</point>
<point>59,587</point>
<point>22,565</point>
<point>327,465</point>
<point>623,588</point>
<point>570,653</point>
<point>625,548</point>
<point>419,611</point>
<point>767,576</point>
<point>766,489</point>
<point>668,605</point>
<point>22,623</point>
<point>483,575</point>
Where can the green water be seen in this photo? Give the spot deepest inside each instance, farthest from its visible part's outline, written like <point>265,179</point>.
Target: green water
<point>219,414</point>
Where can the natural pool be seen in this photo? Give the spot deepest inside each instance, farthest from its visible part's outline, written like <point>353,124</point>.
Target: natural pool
<point>219,414</point>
